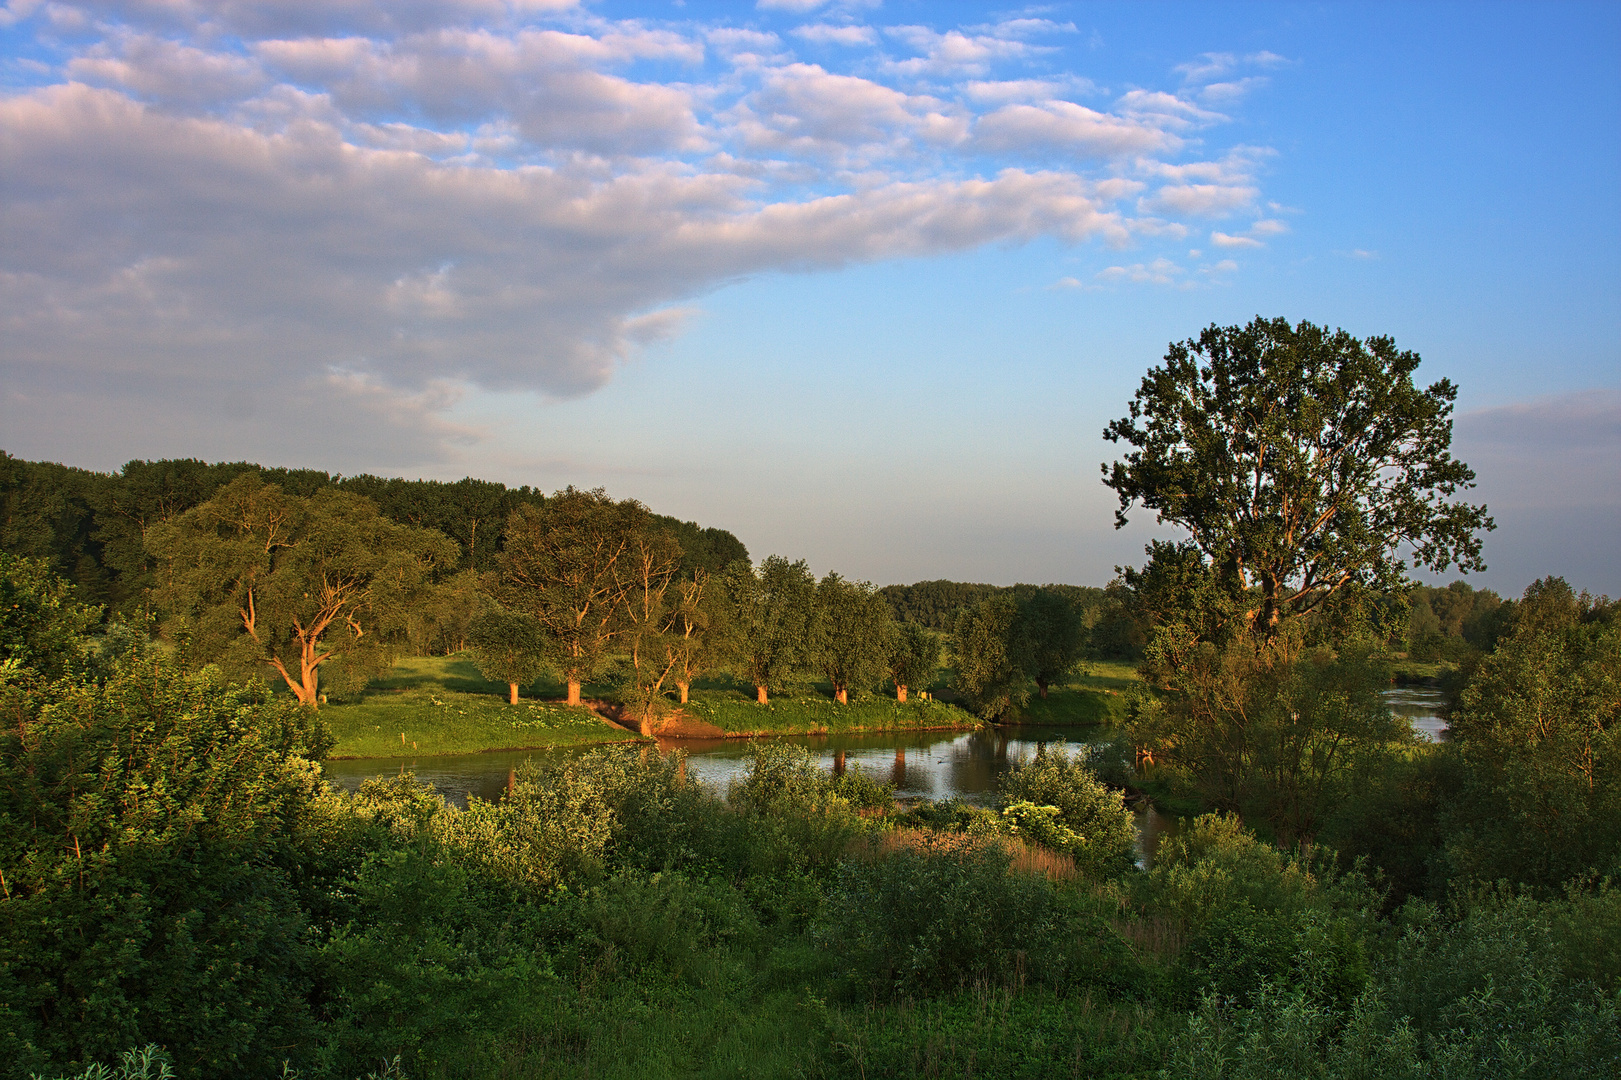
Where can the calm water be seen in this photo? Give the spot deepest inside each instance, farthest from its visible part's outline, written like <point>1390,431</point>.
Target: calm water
<point>1421,705</point>
<point>927,765</point>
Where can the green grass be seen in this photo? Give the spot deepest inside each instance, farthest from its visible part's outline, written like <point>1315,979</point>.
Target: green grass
<point>1095,695</point>
<point>441,705</point>
<point>737,713</point>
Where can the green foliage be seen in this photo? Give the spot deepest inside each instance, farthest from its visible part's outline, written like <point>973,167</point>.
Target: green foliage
<point>1054,634</point>
<point>913,657</point>
<point>1538,731</point>
<point>1271,731</point>
<point>568,563</point>
<point>143,824</point>
<point>41,627</point>
<point>996,1032</point>
<point>1088,820</point>
<point>927,919</point>
<point>508,647</point>
<point>1479,994</point>
<point>91,527</point>
<point>850,635</point>
<point>772,611</point>
<point>257,577</point>
<point>1301,461</point>
<point>990,658</point>
<point>149,1062</point>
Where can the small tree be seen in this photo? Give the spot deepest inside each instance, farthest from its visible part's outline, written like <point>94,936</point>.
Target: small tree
<point>509,647</point>
<point>697,632</point>
<point>649,570</point>
<point>990,657</point>
<point>914,656</point>
<point>1054,632</point>
<point>850,637</point>
<point>771,609</point>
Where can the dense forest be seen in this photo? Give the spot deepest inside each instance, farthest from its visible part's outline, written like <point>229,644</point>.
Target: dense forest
<point>183,894</point>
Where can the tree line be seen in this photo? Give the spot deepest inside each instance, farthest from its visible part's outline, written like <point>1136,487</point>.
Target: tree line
<point>91,527</point>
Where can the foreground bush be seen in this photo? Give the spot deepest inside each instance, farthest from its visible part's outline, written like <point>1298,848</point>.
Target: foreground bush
<point>1090,822</point>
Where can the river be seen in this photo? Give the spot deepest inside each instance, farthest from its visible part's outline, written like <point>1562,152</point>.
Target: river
<point>921,765</point>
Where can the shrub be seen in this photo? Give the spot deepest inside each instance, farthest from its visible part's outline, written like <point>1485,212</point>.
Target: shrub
<point>926,919</point>
<point>143,827</point>
<point>1091,822</point>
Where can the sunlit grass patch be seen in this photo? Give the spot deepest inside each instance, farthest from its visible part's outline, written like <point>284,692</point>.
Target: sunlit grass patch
<point>430,721</point>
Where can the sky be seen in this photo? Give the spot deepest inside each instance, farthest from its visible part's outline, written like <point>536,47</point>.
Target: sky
<point>862,282</point>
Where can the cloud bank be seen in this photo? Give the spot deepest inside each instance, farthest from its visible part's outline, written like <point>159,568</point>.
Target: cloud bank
<point>264,212</point>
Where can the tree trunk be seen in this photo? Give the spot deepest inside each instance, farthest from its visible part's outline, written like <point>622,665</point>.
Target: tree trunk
<point>513,688</point>
<point>900,693</point>
<point>759,694</point>
<point>573,692</point>
<point>1041,686</point>
<point>681,687</point>
<point>644,726</point>
<point>841,695</point>
<point>838,763</point>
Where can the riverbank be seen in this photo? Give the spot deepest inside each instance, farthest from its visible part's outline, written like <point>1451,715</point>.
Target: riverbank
<point>732,714</point>
<point>431,706</point>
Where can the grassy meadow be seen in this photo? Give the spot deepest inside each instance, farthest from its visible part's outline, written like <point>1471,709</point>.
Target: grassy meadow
<point>442,705</point>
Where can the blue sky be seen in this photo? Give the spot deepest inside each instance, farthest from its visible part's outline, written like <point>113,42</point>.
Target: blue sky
<point>862,282</point>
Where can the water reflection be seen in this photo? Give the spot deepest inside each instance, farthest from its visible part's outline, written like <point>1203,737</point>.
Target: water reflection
<point>1422,706</point>
<point>927,765</point>
<point>921,765</point>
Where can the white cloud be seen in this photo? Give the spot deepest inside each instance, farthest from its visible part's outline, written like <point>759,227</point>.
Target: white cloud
<point>1223,240</point>
<point>366,209</point>
<point>804,109</point>
<point>824,34</point>
<point>1065,126</point>
<point>1200,200</point>
<point>1001,92</point>
<point>1166,110</point>
<point>1269,227</point>
<point>1161,271</point>
<point>954,53</point>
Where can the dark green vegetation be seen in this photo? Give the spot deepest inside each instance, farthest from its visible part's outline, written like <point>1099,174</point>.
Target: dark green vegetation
<point>1343,900</point>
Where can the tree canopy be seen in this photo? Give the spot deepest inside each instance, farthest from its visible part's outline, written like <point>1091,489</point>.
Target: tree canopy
<point>1303,463</point>
<point>257,576</point>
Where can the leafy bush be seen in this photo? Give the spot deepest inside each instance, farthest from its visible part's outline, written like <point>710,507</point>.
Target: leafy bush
<point>144,825</point>
<point>936,917</point>
<point>1091,822</point>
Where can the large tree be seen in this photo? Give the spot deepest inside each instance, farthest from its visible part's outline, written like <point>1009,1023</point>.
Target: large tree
<point>914,656</point>
<point>991,656</point>
<point>509,647</point>
<point>1054,633</point>
<point>850,636</point>
<point>567,562</point>
<point>257,576</point>
<point>1303,463</point>
<point>772,607</point>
